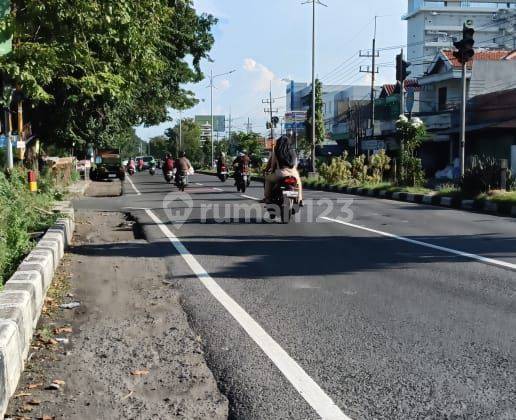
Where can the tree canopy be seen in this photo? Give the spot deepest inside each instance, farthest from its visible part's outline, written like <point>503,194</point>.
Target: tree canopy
<point>320,132</point>
<point>91,69</point>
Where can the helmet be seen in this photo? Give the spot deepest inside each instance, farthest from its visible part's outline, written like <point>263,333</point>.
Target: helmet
<point>167,156</point>
<point>242,153</point>
<point>182,153</point>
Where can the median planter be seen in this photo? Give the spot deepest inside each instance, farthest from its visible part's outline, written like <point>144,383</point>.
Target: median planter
<point>22,298</point>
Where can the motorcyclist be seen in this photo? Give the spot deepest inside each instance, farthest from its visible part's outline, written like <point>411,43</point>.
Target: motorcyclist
<point>241,164</point>
<point>140,164</point>
<point>183,166</point>
<point>168,165</point>
<point>283,163</point>
<point>131,164</point>
<point>221,161</point>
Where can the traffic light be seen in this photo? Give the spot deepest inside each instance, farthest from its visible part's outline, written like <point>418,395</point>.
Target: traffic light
<point>402,68</point>
<point>465,51</point>
<point>275,121</point>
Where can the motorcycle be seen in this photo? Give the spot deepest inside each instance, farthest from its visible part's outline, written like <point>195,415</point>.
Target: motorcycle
<point>169,176</point>
<point>152,170</point>
<point>130,170</point>
<point>181,181</point>
<point>242,180</point>
<point>223,174</point>
<point>285,199</point>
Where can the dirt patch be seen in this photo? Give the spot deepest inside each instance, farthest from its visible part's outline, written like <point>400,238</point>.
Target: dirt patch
<point>127,351</point>
<point>112,188</point>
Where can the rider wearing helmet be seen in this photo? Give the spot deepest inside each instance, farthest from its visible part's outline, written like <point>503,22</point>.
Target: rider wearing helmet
<point>168,166</point>
<point>183,165</point>
<point>242,161</point>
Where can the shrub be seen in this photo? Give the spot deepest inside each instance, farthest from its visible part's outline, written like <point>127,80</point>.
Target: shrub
<point>338,171</point>
<point>21,213</point>
<point>379,163</point>
<point>482,177</point>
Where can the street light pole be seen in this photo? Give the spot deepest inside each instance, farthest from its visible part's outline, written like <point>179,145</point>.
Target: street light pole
<point>180,130</point>
<point>212,78</point>
<point>314,4</point>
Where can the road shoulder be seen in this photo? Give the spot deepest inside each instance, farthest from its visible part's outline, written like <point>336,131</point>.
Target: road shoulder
<point>127,351</point>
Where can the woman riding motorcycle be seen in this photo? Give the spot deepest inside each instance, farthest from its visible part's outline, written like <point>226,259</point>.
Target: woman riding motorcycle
<point>283,163</point>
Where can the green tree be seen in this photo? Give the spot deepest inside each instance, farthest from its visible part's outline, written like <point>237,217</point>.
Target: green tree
<point>252,143</point>
<point>190,140</point>
<point>320,131</point>
<point>410,133</point>
<point>159,146</point>
<point>91,69</point>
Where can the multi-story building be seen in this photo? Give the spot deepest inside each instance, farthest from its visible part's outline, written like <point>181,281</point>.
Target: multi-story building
<point>433,25</point>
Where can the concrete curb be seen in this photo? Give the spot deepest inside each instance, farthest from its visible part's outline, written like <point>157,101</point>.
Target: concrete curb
<point>466,205</point>
<point>22,299</point>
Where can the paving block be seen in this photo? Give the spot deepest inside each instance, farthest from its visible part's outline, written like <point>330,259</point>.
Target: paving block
<point>16,306</point>
<point>383,193</point>
<point>396,195</point>
<point>53,247</point>
<point>60,229</point>
<point>31,283</point>
<point>58,238</point>
<point>11,361</point>
<point>513,213</point>
<point>360,191</point>
<point>66,223</point>
<point>370,193</point>
<point>490,207</point>
<point>411,198</point>
<point>467,204</point>
<point>446,201</point>
<point>427,199</point>
<point>44,265</point>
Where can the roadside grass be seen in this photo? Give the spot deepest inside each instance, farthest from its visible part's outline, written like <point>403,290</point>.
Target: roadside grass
<point>23,216</point>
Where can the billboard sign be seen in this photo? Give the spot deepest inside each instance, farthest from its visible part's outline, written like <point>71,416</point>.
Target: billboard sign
<point>219,122</point>
<point>295,116</point>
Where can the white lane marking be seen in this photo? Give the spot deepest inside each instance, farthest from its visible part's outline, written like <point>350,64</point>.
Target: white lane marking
<point>486,260</point>
<point>134,187</point>
<point>218,189</point>
<point>200,185</point>
<point>250,197</point>
<point>304,384</point>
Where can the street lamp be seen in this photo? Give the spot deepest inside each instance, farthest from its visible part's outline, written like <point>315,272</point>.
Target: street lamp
<point>212,78</point>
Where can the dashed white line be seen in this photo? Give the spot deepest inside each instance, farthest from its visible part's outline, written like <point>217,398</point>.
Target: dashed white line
<point>475,257</point>
<point>134,187</point>
<point>218,189</point>
<point>250,197</point>
<point>304,384</point>
<point>200,185</point>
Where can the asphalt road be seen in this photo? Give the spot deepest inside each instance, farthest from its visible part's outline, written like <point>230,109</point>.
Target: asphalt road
<point>385,326</point>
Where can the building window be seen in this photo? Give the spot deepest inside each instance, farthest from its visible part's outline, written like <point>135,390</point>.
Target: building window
<point>443,96</point>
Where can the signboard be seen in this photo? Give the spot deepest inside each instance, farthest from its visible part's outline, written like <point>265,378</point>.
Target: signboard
<point>219,122</point>
<point>373,145</point>
<point>295,116</point>
<point>6,40</point>
<point>20,144</point>
<point>295,126</point>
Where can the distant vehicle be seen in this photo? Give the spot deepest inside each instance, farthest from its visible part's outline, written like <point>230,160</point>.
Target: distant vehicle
<point>148,161</point>
<point>125,162</point>
<point>108,164</point>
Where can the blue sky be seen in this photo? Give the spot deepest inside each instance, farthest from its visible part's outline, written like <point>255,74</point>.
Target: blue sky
<point>270,40</point>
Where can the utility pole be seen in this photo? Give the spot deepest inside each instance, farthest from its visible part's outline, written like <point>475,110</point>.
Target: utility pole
<point>270,111</point>
<point>314,140</point>
<point>374,71</point>
<point>402,89</point>
<point>464,54</point>
<point>249,126</point>
<point>180,131</point>
<point>229,130</point>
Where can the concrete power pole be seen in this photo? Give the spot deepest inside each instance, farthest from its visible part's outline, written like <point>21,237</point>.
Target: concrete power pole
<point>373,71</point>
<point>270,102</point>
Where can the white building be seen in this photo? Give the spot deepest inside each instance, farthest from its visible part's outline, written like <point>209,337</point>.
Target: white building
<point>432,26</point>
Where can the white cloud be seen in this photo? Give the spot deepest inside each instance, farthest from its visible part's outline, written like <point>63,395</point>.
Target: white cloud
<point>262,76</point>
<point>224,85</point>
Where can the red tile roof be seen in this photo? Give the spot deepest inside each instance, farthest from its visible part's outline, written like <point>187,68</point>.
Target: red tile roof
<point>390,88</point>
<point>494,55</point>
